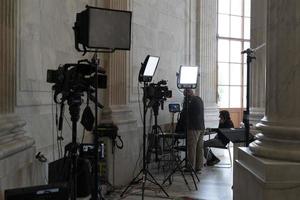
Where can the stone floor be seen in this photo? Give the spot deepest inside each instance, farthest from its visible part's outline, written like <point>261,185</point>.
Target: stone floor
<point>215,184</point>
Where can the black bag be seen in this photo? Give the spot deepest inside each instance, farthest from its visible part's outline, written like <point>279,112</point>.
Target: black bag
<point>59,172</point>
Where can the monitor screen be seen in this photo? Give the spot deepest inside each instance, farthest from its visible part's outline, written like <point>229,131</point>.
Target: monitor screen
<point>174,107</point>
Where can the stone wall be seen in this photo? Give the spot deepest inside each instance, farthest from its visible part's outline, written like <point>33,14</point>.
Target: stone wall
<point>171,29</point>
<point>45,40</point>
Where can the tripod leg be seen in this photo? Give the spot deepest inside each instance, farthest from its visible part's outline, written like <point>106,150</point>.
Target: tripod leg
<point>178,166</point>
<point>157,184</point>
<point>194,171</point>
<point>182,174</point>
<point>194,181</point>
<point>191,171</point>
<point>131,183</point>
<point>144,182</point>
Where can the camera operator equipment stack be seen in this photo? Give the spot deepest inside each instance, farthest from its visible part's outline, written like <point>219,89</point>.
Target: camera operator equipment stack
<point>146,73</point>
<point>73,80</point>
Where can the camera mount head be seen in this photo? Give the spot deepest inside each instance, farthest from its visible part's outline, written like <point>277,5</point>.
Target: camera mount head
<point>157,93</point>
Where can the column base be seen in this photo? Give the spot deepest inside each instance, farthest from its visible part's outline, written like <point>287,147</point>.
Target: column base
<point>277,141</point>
<point>122,163</point>
<point>256,114</point>
<point>264,179</point>
<point>16,162</point>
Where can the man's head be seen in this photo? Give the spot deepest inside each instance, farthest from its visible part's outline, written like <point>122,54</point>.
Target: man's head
<point>188,92</point>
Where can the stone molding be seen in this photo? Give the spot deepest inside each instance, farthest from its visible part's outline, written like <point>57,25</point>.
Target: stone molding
<point>259,178</point>
<point>256,115</point>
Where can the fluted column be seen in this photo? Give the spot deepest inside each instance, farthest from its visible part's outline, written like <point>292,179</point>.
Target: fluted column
<point>7,55</point>
<point>206,48</point>
<point>16,150</point>
<point>258,66</point>
<point>117,65</point>
<point>280,138</point>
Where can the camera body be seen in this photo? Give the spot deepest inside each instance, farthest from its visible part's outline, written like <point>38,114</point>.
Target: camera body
<point>75,78</point>
<point>158,91</point>
<point>76,75</point>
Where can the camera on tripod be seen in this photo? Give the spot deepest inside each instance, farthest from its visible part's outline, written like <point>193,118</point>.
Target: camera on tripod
<point>75,77</point>
<point>158,92</point>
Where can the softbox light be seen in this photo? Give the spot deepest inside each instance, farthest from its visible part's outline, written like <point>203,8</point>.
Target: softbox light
<point>187,77</point>
<point>148,68</point>
<point>101,28</point>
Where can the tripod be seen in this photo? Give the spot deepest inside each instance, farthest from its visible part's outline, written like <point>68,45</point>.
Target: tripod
<point>74,102</point>
<point>153,137</point>
<point>144,171</point>
<point>179,163</point>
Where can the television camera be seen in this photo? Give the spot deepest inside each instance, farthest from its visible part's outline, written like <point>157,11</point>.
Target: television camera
<point>80,77</point>
<point>157,93</point>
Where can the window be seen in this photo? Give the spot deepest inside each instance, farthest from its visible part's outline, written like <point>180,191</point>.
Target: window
<point>233,37</point>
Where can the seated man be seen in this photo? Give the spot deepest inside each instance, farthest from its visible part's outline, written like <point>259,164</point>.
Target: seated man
<point>219,140</point>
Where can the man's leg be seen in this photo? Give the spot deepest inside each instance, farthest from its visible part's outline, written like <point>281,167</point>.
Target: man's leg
<point>208,154</point>
<point>192,140</point>
<point>199,152</point>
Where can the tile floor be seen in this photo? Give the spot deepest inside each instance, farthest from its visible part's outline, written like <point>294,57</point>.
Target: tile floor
<point>215,184</point>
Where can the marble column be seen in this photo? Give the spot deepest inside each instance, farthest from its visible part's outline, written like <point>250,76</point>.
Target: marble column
<point>258,66</point>
<point>8,19</point>
<point>206,58</point>
<point>16,150</point>
<point>269,168</point>
<point>280,138</point>
<point>118,111</point>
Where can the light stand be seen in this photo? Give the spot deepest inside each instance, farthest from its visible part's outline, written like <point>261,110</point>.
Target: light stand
<point>96,192</point>
<point>250,56</point>
<point>146,73</point>
<point>144,171</point>
<point>187,162</point>
<point>186,79</point>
